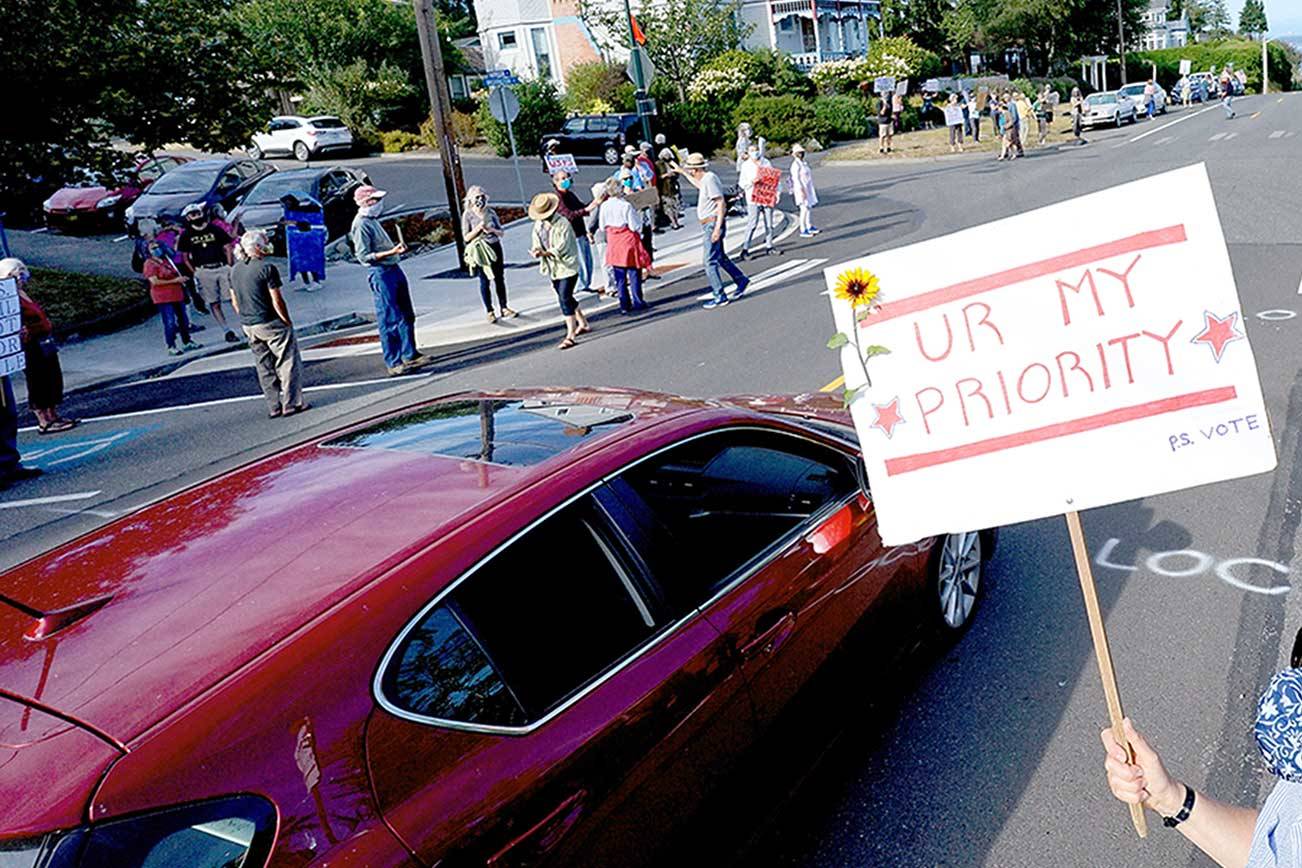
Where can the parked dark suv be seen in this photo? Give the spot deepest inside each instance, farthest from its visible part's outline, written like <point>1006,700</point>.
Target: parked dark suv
<point>594,136</point>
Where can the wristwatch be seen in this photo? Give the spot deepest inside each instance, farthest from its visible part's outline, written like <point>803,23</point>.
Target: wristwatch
<point>1172,822</point>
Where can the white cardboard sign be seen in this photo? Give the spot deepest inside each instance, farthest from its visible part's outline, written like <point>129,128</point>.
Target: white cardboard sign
<point>561,163</point>
<point>11,349</point>
<point>1078,355</point>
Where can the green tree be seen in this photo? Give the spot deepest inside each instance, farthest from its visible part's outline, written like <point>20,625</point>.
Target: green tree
<point>681,35</point>
<point>1057,32</point>
<point>1218,19</point>
<point>1252,19</point>
<point>923,21</point>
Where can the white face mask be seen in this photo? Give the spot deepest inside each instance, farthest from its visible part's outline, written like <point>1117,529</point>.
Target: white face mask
<point>372,210</point>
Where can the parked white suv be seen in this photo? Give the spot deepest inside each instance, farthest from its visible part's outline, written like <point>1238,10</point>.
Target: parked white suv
<point>301,137</point>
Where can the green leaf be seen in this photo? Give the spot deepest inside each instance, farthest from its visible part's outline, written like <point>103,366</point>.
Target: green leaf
<point>862,314</point>
<point>848,396</point>
<point>838,340</point>
<point>875,350</point>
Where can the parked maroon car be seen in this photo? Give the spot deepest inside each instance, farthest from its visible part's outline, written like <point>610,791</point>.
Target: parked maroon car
<point>96,206</point>
<point>497,629</point>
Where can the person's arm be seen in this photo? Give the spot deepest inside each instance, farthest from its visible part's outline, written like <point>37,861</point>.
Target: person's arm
<point>720,212</point>
<point>235,302</point>
<point>679,170</point>
<point>1223,832</point>
<point>278,303</point>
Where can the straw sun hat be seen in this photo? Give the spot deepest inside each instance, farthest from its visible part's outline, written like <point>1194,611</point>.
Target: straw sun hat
<point>543,206</point>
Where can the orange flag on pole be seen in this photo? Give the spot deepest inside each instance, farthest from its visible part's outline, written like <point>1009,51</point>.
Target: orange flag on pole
<point>638,36</point>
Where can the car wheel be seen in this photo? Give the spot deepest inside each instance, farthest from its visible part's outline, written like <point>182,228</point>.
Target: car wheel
<point>1117,120</point>
<point>301,153</point>
<point>956,580</point>
<point>255,152</point>
<point>611,155</point>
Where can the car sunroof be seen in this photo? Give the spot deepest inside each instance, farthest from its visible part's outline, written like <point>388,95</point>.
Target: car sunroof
<point>511,432</point>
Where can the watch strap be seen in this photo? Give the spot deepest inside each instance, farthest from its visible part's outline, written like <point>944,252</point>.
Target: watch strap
<point>1185,809</point>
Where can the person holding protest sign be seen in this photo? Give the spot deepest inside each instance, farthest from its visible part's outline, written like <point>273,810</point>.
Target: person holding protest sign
<point>802,190</point>
<point>972,105</point>
<point>712,213</point>
<point>1077,114</point>
<point>885,121</point>
<point>954,123</point>
<point>575,210</point>
<point>41,354</point>
<point>757,208</point>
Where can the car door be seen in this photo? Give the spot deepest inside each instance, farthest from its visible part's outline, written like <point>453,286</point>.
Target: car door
<point>784,552</point>
<point>337,188</point>
<point>550,709</point>
<point>287,132</point>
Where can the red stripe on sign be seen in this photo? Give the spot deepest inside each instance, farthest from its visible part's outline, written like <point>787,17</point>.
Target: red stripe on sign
<point>907,463</point>
<point>978,285</point>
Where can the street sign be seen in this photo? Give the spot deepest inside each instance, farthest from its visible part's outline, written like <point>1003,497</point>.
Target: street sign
<point>504,104</point>
<point>1076,370</point>
<point>884,84</point>
<point>11,321</point>
<point>561,163</point>
<point>499,77</point>
<point>1186,66</point>
<point>647,107</point>
<point>648,68</point>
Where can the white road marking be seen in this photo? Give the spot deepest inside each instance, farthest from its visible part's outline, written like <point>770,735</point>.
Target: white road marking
<point>1164,140</point>
<point>121,238</point>
<point>1218,137</point>
<point>42,229</point>
<point>1229,136</point>
<point>42,501</point>
<point>100,513</point>
<point>1178,120</point>
<point>1299,287</point>
<point>1276,315</point>
<point>1290,134</point>
<point>770,276</point>
<point>1278,134</point>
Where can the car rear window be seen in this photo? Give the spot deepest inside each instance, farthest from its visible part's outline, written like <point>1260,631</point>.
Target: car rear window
<point>494,431</point>
<point>326,123</point>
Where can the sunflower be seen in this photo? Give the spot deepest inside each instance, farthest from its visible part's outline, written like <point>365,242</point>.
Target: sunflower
<point>859,286</point>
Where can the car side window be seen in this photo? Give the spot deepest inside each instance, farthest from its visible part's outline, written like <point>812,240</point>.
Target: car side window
<point>727,498</point>
<point>229,180</point>
<point>543,617</point>
<point>247,169</point>
<point>150,171</point>
<point>602,125</point>
<point>572,126</point>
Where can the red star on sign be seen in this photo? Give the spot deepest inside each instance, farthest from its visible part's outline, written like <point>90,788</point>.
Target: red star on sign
<point>1217,332</point>
<point>888,416</point>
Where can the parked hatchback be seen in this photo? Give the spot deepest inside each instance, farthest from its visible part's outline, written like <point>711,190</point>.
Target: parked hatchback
<point>302,137</point>
<point>332,187</point>
<point>1109,107</point>
<point>600,137</point>
<point>219,181</point>
<point>512,628</point>
<point>100,203</point>
<point>1136,94</point>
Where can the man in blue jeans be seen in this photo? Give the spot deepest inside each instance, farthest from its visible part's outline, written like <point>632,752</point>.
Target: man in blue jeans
<point>394,316</point>
<point>712,212</point>
<point>11,470</point>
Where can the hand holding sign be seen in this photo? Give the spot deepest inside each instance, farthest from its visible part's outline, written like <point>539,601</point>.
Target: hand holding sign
<point>1103,359</point>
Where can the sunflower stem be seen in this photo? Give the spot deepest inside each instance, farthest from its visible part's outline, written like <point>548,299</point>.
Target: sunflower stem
<point>858,351</point>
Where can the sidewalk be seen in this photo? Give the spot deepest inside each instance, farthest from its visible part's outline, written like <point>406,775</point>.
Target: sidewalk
<point>448,311</point>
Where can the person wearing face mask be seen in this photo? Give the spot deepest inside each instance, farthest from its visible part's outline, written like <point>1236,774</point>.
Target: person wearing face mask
<point>480,221</point>
<point>1231,835</point>
<point>167,291</point>
<point>394,316</point>
<point>207,252</point>
<point>625,255</point>
<point>755,213</point>
<point>575,210</point>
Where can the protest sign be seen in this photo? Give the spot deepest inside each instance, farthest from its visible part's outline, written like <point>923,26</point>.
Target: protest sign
<point>1185,66</point>
<point>902,88</point>
<point>953,115</point>
<point>884,84</point>
<point>561,163</point>
<point>765,191</point>
<point>11,323</point>
<point>1101,358</point>
<point>931,85</point>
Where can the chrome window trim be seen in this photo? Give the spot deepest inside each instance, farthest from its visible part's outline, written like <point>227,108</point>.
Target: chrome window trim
<point>744,572</point>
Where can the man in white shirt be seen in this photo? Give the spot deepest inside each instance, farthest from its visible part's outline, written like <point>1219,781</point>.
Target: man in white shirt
<point>712,212</point>
<point>755,213</point>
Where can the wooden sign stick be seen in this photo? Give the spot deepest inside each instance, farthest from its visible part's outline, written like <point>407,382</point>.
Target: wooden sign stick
<point>1101,652</point>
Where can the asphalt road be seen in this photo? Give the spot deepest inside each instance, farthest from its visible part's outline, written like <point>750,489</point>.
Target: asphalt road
<point>983,754</point>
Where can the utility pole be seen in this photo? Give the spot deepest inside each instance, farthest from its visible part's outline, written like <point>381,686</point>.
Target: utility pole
<point>440,102</point>
<point>1265,66</point>
<point>1121,43</point>
<point>639,80</point>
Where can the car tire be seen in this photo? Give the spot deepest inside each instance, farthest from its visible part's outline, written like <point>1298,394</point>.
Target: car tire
<point>611,155</point>
<point>301,153</point>
<point>1117,120</point>
<point>255,152</point>
<point>955,580</point>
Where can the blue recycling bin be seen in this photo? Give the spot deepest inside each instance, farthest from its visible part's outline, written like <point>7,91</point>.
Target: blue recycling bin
<point>305,237</point>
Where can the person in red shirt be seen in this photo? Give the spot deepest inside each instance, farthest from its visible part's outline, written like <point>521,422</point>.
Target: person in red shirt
<point>40,353</point>
<point>167,290</point>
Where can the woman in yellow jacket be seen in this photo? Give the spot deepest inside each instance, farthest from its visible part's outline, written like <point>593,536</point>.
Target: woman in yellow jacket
<point>1025,114</point>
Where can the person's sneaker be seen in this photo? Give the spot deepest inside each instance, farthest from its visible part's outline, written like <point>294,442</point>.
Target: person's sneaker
<point>741,289</point>
<point>806,235</point>
<point>418,361</point>
<point>715,302</point>
<point>230,337</point>
<point>19,474</point>
<point>175,351</point>
<point>814,230</point>
<point>197,327</point>
<point>743,254</point>
<point>399,370</point>
<point>193,345</point>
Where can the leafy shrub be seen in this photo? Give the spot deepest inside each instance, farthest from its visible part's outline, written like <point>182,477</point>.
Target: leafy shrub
<point>841,117</point>
<point>398,141</point>
<point>901,57</point>
<point>781,118</point>
<point>1214,56</point>
<point>465,130</point>
<point>589,83</point>
<point>362,96</point>
<point>718,85</point>
<point>540,112</point>
<point>696,126</point>
<point>367,141</point>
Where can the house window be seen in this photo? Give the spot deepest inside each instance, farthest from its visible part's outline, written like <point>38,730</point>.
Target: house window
<point>506,40</point>
<point>541,52</point>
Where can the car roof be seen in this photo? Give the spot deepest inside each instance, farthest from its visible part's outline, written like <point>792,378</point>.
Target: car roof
<point>168,600</point>
<point>202,165</point>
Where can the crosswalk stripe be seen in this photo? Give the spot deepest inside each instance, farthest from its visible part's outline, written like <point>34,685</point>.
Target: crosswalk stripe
<point>773,275</point>
<point>1254,116</point>
<point>1165,140</point>
<point>1217,137</point>
<point>1278,134</point>
<point>1229,136</point>
<point>1290,134</point>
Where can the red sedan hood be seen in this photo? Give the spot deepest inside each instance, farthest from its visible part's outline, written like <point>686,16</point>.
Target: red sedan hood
<point>811,405</point>
<point>80,198</point>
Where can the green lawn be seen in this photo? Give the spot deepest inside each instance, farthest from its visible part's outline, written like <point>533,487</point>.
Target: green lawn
<point>71,299</point>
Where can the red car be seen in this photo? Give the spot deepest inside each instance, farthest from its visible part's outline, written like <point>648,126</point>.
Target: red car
<point>96,206</point>
<point>497,629</point>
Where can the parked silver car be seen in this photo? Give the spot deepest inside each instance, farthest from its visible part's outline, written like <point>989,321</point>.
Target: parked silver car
<point>1136,92</point>
<point>1109,107</point>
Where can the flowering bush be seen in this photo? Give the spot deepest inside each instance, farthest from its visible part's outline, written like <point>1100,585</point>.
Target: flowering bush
<point>712,85</point>
<point>895,56</point>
